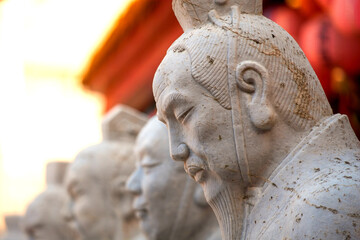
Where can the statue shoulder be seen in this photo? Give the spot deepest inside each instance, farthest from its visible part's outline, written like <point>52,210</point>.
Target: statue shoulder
<point>327,207</point>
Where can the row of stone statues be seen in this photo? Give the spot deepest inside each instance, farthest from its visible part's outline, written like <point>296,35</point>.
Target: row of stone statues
<point>95,198</point>
<point>247,117</point>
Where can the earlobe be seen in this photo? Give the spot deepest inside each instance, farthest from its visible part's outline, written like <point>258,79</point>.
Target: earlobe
<point>262,116</point>
<point>253,78</point>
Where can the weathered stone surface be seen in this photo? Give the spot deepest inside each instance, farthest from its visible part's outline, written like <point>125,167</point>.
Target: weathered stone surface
<point>191,13</point>
<point>168,203</point>
<point>13,228</point>
<point>247,115</point>
<point>43,219</point>
<point>99,207</point>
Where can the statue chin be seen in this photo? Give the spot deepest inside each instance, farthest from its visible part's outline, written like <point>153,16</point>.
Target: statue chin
<point>227,201</point>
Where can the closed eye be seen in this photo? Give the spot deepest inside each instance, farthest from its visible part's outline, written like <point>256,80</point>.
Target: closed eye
<point>182,116</point>
<point>148,167</point>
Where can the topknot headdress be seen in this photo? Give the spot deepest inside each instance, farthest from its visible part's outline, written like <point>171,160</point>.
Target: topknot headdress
<point>55,172</point>
<point>122,122</point>
<point>194,13</point>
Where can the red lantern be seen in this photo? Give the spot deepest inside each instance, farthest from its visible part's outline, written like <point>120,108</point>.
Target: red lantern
<point>306,7</point>
<point>325,46</point>
<point>311,43</point>
<point>345,15</point>
<point>325,4</point>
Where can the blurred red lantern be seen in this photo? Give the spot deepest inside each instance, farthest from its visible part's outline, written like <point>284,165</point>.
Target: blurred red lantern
<point>287,18</point>
<point>345,15</point>
<point>306,7</point>
<point>325,4</point>
<point>311,42</point>
<point>324,75</point>
<point>325,46</point>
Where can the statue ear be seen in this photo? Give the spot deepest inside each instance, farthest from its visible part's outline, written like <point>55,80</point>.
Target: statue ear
<point>199,197</point>
<point>253,78</point>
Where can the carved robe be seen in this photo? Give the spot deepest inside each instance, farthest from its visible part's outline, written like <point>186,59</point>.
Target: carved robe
<point>315,192</point>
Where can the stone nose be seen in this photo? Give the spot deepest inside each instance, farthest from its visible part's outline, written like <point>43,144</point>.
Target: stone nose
<point>133,184</point>
<point>180,152</point>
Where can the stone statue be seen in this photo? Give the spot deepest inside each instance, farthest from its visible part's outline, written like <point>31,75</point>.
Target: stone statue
<point>247,115</point>
<point>43,219</point>
<point>13,228</point>
<point>99,207</point>
<point>169,204</point>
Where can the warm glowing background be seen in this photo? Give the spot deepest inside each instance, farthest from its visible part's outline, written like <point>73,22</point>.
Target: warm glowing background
<point>45,52</point>
<point>44,112</point>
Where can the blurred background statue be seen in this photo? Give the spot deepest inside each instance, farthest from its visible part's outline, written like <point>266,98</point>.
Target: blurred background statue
<point>99,207</point>
<point>43,219</point>
<point>13,228</point>
<point>168,203</point>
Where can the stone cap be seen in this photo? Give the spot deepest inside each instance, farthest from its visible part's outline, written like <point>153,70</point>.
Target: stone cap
<point>55,172</point>
<point>122,122</point>
<point>194,13</point>
<point>13,223</point>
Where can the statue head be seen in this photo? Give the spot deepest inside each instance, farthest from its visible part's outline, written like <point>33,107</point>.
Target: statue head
<point>43,219</point>
<point>167,202</point>
<point>99,207</point>
<point>90,182</point>
<point>237,94</point>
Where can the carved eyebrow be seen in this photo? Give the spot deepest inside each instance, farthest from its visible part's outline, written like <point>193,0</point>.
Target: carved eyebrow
<point>173,98</point>
<point>168,102</point>
<point>147,149</point>
<point>150,162</point>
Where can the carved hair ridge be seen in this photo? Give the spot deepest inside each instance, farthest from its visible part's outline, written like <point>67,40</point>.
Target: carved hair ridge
<point>295,90</point>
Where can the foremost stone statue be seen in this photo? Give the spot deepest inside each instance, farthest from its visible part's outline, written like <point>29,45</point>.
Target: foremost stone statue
<point>247,115</point>
<point>99,207</point>
<point>13,228</point>
<point>43,219</point>
<point>168,203</point>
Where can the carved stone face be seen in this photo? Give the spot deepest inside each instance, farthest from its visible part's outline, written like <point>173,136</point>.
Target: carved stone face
<point>43,218</point>
<point>201,135</point>
<point>157,200</point>
<point>167,201</point>
<point>89,209</point>
<point>200,130</point>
